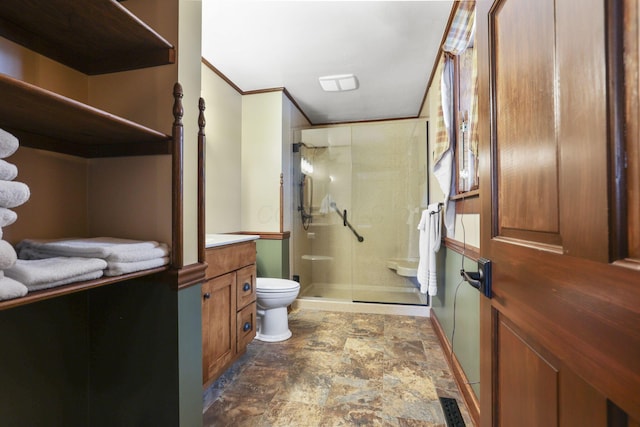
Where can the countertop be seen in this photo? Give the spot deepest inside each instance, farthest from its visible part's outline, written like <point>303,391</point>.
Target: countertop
<point>213,240</point>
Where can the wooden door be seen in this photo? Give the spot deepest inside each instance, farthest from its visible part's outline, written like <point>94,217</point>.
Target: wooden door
<point>560,338</point>
<point>218,325</point>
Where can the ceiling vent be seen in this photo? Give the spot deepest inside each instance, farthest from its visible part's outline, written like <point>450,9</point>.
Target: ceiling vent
<point>338,83</point>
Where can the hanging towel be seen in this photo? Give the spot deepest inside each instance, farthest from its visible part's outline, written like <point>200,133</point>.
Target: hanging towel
<point>8,144</point>
<point>94,247</point>
<point>10,289</point>
<point>429,244</point>
<point>325,205</point>
<point>7,217</point>
<point>13,194</point>
<point>50,272</point>
<point>118,268</point>
<point>7,255</point>
<point>8,171</point>
<point>423,251</point>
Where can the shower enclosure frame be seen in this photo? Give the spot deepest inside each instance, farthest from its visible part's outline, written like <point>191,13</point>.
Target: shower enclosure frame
<point>340,234</point>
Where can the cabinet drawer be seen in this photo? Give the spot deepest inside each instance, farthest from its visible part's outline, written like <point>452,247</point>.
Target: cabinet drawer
<point>246,286</point>
<point>223,259</point>
<point>246,324</point>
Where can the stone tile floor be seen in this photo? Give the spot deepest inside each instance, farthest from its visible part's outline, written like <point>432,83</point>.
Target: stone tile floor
<point>338,369</point>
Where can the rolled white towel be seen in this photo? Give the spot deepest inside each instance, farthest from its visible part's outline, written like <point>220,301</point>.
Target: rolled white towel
<point>8,171</point>
<point>7,217</point>
<point>10,289</point>
<point>13,194</point>
<point>49,272</point>
<point>119,268</point>
<point>8,144</point>
<point>7,255</point>
<point>94,247</point>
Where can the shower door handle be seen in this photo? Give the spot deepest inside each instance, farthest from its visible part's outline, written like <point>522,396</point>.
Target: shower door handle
<point>344,218</point>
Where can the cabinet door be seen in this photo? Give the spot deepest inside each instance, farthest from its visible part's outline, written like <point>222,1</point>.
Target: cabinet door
<point>218,325</point>
<point>246,290</point>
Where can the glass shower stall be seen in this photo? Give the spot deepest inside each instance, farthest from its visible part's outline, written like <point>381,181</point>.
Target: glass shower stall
<point>359,193</point>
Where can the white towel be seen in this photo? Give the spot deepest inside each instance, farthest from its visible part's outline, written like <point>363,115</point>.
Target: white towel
<point>118,268</point>
<point>81,278</point>
<point>429,244</point>
<point>8,171</point>
<point>46,273</point>
<point>135,255</point>
<point>10,289</point>
<point>423,251</point>
<point>106,248</point>
<point>13,194</point>
<point>7,255</point>
<point>325,205</point>
<point>8,144</point>
<point>7,217</point>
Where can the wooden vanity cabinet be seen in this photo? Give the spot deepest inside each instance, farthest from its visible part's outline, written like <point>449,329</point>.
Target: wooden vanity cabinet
<point>228,306</point>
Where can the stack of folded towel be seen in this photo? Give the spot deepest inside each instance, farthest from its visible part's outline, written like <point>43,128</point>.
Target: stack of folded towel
<point>12,194</point>
<point>51,272</point>
<point>121,256</point>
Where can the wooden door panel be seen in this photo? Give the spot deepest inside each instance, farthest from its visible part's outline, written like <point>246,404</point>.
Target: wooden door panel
<point>632,128</point>
<point>582,128</point>
<point>581,405</point>
<point>529,382</point>
<point>525,128</point>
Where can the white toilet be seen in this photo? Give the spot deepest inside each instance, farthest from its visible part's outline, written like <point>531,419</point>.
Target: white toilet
<point>272,297</point>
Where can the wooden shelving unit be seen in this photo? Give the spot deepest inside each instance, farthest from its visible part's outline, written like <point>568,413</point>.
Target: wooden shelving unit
<point>91,36</point>
<point>46,120</point>
<point>71,288</point>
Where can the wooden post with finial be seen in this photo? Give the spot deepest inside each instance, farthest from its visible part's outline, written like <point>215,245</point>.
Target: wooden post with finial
<point>176,180</point>
<point>202,146</point>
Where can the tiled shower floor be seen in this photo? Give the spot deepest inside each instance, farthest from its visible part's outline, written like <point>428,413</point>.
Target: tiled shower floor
<point>362,293</point>
<point>338,369</point>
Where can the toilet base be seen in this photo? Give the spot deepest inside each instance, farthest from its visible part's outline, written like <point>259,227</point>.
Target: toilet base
<point>273,325</point>
<point>274,338</point>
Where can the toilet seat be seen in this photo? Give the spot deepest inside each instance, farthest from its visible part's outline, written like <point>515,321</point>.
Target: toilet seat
<point>268,285</point>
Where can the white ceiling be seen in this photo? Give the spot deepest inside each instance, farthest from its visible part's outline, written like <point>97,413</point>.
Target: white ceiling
<point>390,46</point>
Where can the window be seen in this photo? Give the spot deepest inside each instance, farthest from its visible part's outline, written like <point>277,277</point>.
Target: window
<point>465,104</point>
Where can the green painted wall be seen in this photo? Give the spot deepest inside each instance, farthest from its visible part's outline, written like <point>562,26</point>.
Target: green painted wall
<point>273,258</point>
<point>134,359</point>
<point>465,318</point>
<point>190,356</point>
<point>44,357</point>
<point>127,354</point>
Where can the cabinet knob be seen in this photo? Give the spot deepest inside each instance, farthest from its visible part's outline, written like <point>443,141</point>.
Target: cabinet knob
<point>207,295</point>
<point>246,287</point>
<point>246,326</point>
